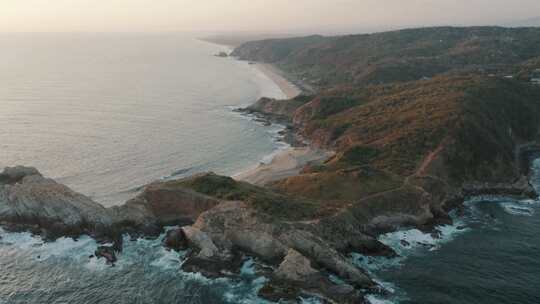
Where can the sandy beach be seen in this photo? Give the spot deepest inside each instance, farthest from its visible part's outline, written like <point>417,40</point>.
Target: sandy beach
<point>290,161</point>
<point>276,75</point>
<point>286,163</point>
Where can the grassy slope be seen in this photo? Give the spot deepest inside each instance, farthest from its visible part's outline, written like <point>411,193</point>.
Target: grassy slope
<point>281,206</point>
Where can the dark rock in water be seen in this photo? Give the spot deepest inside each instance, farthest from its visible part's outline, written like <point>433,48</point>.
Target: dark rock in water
<point>404,243</point>
<point>214,268</point>
<point>461,227</point>
<point>436,234</point>
<point>176,240</point>
<point>426,245</point>
<point>108,253</point>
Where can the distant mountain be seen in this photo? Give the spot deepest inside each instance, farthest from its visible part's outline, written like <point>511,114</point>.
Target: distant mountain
<point>527,22</point>
<point>398,56</point>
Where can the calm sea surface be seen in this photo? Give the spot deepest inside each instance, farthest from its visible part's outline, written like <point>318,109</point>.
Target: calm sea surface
<point>107,113</point>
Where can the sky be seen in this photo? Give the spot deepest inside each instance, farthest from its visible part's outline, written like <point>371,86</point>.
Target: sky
<point>253,15</point>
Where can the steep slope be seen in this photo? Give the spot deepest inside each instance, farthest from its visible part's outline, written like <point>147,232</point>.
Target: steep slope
<point>457,130</point>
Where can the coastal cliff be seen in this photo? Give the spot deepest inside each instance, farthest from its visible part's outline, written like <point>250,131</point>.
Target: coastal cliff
<point>413,138</point>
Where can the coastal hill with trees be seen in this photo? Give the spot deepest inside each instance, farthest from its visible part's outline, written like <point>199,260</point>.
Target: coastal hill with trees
<point>419,120</point>
<point>398,56</point>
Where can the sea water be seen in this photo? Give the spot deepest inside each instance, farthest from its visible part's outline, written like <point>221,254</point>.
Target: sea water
<point>108,113</point>
<point>490,255</point>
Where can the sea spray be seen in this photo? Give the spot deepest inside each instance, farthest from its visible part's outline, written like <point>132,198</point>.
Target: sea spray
<point>146,272</point>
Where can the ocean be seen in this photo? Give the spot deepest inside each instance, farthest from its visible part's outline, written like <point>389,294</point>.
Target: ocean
<point>491,255</point>
<point>108,113</point>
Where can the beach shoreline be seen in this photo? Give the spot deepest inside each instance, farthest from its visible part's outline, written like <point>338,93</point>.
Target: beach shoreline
<point>285,162</point>
<point>289,89</point>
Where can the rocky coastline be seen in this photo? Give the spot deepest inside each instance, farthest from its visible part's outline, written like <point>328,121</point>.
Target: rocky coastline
<point>219,234</point>
<point>221,224</point>
<point>407,155</point>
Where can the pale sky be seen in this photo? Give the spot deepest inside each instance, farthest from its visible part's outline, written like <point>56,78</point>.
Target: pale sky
<point>252,15</point>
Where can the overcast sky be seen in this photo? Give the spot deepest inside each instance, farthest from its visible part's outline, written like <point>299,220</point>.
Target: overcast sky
<point>253,15</point>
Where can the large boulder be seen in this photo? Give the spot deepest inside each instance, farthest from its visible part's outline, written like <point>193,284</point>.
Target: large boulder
<point>295,267</point>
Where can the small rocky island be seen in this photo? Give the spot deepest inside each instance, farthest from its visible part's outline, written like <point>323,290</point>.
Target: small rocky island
<point>416,131</point>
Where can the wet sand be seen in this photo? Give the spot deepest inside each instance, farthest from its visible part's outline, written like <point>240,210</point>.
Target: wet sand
<point>289,89</point>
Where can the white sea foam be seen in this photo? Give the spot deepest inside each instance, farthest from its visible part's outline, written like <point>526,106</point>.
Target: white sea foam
<point>248,268</point>
<point>372,299</point>
<point>509,205</point>
<point>407,242</point>
<point>515,208</point>
<point>245,292</point>
<point>310,301</point>
<point>41,250</point>
<point>168,259</point>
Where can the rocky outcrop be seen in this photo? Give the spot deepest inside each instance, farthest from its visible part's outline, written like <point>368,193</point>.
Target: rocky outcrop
<point>233,228</point>
<point>32,202</point>
<point>29,201</point>
<point>161,204</point>
<point>295,267</point>
<point>220,234</point>
<point>295,276</point>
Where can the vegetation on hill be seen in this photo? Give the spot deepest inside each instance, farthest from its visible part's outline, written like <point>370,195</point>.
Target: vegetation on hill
<point>397,56</point>
<point>397,108</point>
<point>280,206</point>
<point>470,123</point>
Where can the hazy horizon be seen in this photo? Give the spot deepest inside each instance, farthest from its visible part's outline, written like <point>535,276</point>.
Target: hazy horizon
<point>276,16</point>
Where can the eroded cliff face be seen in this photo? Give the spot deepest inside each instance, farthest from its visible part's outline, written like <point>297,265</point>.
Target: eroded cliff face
<point>30,201</point>
<point>219,233</point>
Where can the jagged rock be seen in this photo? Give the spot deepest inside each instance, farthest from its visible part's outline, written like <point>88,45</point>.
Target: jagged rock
<point>295,267</point>
<point>108,253</point>
<point>176,240</point>
<point>202,242</point>
<point>235,225</point>
<point>224,265</point>
<point>16,174</point>
<point>295,276</point>
<point>28,199</point>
